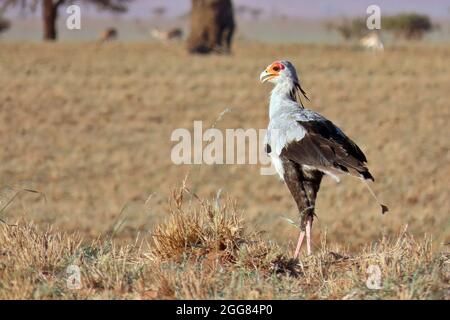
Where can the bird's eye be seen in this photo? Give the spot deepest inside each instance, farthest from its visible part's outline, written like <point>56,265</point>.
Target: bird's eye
<point>276,68</point>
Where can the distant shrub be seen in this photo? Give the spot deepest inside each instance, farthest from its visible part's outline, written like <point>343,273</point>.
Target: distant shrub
<point>408,25</point>
<point>349,29</point>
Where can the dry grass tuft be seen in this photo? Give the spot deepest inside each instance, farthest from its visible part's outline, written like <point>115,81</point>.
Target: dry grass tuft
<point>205,230</point>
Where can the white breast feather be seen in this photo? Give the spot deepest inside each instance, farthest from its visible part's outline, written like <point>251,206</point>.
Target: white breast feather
<point>282,130</point>
<point>278,165</point>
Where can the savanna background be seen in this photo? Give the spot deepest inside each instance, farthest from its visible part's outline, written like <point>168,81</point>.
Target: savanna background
<point>87,178</point>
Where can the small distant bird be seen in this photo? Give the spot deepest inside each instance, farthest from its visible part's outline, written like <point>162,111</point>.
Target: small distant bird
<point>304,145</point>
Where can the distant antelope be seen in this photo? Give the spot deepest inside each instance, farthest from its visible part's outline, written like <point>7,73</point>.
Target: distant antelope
<point>172,34</point>
<point>109,34</point>
<point>372,41</point>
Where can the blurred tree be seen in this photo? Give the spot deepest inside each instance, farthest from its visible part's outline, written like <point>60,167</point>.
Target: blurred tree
<point>50,10</point>
<point>212,26</point>
<point>255,13</point>
<point>348,29</point>
<point>159,12</point>
<point>252,12</point>
<point>4,24</point>
<point>241,9</point>
<point>408,25</point>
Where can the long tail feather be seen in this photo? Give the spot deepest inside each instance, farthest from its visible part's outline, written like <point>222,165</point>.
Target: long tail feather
<point>384,208</point>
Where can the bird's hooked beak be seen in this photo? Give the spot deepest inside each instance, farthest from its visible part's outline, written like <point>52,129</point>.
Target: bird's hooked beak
<point>267,75</point>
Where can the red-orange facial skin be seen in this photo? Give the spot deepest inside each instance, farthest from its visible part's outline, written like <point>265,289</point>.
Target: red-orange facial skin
<point>275,68</point>
<point>272,71</point>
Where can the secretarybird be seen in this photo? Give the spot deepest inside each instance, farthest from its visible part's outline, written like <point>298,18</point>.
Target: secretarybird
<point>303,146</point>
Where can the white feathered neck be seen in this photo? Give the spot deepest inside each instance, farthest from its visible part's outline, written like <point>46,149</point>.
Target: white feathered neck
<point>283,95</point>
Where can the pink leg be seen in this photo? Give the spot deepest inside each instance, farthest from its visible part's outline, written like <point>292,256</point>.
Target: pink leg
<point>299,244</point>
<point>308,233</point>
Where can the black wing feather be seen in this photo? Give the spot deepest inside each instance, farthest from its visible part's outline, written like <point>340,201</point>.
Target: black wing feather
<point>325,146</point>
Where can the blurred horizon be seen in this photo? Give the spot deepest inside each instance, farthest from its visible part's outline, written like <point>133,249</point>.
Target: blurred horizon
<point>319,9</point>
<point>284,21</point>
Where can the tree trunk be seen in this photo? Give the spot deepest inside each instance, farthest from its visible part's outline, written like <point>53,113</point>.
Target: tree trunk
<point>49,15</point>
<point>212,26</point>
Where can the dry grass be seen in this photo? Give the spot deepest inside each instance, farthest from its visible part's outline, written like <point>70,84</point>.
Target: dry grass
<point>202,252</point>
<point>89,127</point>
<point>34,265</point>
